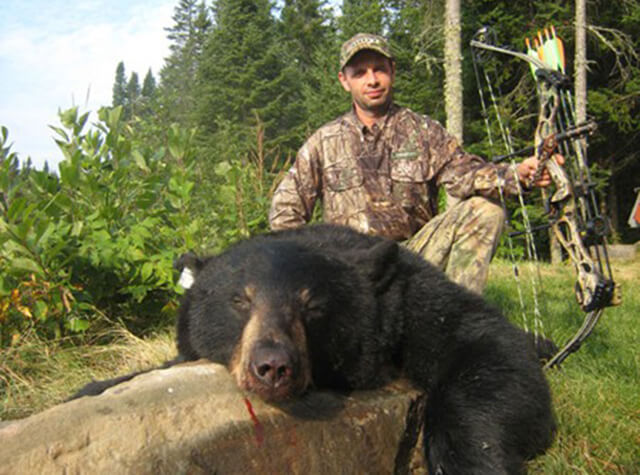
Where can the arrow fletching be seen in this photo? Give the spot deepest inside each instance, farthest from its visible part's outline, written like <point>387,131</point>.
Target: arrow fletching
<point>559,46</point>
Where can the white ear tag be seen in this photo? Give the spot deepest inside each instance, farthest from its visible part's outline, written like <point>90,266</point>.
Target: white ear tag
<point>186,278</point>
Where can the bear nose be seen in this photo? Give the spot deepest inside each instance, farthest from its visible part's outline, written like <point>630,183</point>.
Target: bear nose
<point>272,366</point>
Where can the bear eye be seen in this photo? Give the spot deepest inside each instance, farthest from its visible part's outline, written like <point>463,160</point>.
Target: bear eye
<point>241,302</point>
<point>313,305</point>
<point>314,312</point>
<point>315,308</point>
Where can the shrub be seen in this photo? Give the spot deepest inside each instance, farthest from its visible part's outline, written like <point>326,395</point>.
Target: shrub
<point>101,236</point>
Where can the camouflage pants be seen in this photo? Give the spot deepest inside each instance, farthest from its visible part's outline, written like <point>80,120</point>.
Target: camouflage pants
<point>462,240</point>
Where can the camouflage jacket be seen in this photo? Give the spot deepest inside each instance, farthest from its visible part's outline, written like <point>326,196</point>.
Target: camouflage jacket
<point>382,180</point>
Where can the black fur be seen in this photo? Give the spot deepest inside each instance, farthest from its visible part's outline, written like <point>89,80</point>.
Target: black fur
<point>365,304</point>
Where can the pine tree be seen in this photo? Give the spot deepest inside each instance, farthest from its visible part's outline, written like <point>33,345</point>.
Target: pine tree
<point>362,16</point>
<point>244,75</point>
<point>323,96</point>
<point>305,26</point>
<point>415,34</point>
<point>149,86</point>
<point>178,77</point>
<point>308,34</point>
<point>120,86</point>
<point>133,88</point>
<point>613,55</point>
<point>133,94</point>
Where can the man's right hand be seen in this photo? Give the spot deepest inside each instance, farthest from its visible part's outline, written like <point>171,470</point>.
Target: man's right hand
<point>527,171</point>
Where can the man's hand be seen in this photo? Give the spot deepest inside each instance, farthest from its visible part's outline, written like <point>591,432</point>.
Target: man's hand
<point>527,170</point>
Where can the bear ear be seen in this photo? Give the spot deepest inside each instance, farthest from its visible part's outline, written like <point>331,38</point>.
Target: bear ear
<point>189,266</point>
<point>379,262</point>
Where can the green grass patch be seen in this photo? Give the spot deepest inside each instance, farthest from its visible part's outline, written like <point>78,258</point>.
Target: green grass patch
<point>597,390</point>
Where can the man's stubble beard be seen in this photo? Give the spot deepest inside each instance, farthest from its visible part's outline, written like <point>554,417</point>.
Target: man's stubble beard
<point>376,110</point>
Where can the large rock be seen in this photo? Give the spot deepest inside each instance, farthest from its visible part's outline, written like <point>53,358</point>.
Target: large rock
<point>192,419</point>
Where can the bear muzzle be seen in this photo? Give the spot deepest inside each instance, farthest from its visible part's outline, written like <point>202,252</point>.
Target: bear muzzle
<point>272,372</point>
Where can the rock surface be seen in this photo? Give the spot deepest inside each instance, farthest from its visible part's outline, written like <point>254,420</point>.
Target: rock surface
<point>192,419</point>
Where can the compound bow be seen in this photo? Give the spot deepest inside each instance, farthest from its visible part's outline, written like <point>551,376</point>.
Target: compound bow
<point>573,210</point>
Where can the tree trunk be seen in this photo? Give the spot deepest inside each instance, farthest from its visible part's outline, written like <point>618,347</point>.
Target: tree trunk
<point>580,79</point>
<point>453,69</point>
<point>580,91</point>
<point>453,75</point>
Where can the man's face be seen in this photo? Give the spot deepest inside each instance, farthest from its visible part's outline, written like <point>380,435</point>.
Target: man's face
<point>369,78</point>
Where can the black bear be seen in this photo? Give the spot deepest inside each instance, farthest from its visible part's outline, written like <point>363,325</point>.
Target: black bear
<point>328,307</point>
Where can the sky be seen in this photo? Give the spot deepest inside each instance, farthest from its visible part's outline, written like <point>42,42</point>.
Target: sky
<point>55,54</point>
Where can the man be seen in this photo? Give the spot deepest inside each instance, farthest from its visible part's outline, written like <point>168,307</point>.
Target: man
<point>378,169</point>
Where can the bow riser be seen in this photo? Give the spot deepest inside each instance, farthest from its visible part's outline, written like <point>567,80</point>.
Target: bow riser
<point>591,287</point>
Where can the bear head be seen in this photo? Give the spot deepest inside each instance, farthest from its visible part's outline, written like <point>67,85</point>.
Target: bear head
<point>260,307</point>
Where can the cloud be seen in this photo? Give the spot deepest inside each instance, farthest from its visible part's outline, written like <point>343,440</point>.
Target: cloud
<point>45,69</point>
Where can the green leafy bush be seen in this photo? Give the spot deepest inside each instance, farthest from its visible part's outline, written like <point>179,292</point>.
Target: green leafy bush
<point>101,235</point>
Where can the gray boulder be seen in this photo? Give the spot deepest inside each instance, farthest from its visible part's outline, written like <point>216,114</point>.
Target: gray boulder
<point>192,419</point>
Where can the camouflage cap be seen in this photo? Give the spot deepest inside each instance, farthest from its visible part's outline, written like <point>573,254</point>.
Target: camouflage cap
<point>363,41</point>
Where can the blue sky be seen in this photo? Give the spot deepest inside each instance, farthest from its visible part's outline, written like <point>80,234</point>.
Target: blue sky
<point>55,54</point>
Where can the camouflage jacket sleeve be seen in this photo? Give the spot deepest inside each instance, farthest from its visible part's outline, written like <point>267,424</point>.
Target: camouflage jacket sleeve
<point>463,174</point>
<point>296,195</point>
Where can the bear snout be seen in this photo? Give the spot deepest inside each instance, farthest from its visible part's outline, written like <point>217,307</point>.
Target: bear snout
<point>273,372</point>
<point>272,366</point>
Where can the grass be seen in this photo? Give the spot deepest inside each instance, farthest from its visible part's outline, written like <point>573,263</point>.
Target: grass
<point>596,391</point>
<point>39,374</point>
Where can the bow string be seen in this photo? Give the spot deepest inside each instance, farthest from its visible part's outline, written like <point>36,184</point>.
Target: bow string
<point>572,208</point>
